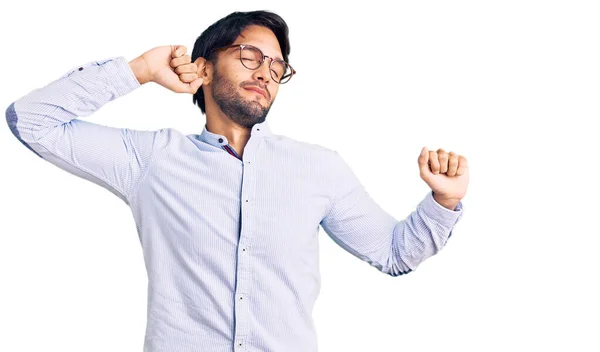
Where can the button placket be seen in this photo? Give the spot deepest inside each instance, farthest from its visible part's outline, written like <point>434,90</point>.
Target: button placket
<point>244,280</point>
<point>244,276</point>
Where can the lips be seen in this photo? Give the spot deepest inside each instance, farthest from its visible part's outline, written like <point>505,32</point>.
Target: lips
<point>258,90</point>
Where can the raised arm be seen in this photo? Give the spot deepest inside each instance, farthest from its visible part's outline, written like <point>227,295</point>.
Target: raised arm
<point>46,119</point>
<point>360,226</point>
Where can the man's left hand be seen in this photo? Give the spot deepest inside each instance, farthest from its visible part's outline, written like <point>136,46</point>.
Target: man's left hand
<point>446,173</point>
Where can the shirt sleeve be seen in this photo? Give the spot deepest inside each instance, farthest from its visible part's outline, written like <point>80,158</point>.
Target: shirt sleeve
<point>360,226</point>
<point>45,121</point>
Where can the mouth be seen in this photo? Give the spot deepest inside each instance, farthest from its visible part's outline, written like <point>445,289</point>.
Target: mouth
<point>257,90</point>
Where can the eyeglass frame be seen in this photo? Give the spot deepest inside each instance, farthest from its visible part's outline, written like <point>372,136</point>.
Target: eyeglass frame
<point>242,46</point>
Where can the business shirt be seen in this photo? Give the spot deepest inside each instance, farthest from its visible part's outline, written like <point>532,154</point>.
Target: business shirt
<point>230,244</point>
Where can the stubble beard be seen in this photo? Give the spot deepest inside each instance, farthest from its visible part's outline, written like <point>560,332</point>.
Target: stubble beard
<point>243,112</point>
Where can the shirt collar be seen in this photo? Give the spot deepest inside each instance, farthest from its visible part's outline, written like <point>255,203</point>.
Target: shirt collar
<point>218,140</point>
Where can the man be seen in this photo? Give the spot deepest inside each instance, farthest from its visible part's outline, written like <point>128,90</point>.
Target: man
<point>228,218</point>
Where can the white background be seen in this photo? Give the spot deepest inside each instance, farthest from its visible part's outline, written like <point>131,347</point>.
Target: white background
<point>511,85</point>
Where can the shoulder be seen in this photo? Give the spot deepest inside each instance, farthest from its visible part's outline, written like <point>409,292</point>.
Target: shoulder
<point>156,139</point>
<point>290,144</point>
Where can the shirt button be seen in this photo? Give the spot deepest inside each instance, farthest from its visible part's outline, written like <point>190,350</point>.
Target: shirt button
<point>81,68</point>
<point>220,140</point>
<point>243,249</point>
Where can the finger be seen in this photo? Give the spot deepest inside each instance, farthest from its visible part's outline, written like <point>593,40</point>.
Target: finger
<point>452,164</point>
<point>177,50</point>
<point>443,160</point>
<point>434,163</point>
<point>185,59</point>
<point>462,165</point>
<point>422,160</point>
<point>194,85</point>
<point>188,77</point>
<point>187,68</point>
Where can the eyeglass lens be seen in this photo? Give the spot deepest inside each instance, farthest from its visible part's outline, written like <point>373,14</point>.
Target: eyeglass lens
<point>251,58</point>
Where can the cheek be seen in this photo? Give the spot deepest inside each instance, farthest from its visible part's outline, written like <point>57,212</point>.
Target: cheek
<point>274,93</point>
<point>241,74</point>
<point>240,77</point>
<point>235,77</point>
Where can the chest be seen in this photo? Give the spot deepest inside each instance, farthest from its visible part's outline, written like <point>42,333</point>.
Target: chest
<point>215,199</point>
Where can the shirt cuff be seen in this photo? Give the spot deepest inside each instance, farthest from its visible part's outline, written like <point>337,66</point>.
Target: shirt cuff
<point>446,217</point>
<point>124,79</point>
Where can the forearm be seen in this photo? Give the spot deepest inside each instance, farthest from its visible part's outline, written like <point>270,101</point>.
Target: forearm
<point>422,234</point>
<point>79,92</point>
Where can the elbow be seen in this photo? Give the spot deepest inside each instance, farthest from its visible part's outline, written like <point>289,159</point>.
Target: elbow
<point>396,271</point>
<point>11,120</point>
<point>392,267</point>
<point>397,265</point>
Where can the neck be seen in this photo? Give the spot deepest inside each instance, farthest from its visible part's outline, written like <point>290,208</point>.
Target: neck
<point>237,136</point>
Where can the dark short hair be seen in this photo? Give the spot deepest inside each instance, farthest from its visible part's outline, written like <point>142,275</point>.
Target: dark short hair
<point>226,30</point>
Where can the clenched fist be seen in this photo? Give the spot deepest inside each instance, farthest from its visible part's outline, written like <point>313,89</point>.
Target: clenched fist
<point>447,174</point>
<point>170,67</point>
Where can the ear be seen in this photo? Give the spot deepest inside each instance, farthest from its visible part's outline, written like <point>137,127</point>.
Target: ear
<point>205,70</point>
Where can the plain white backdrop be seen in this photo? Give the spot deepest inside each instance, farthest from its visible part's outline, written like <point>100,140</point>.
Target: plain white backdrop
<point>511,85</point>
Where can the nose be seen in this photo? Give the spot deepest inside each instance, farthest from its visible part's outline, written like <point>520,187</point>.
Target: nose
<point>264,71</point>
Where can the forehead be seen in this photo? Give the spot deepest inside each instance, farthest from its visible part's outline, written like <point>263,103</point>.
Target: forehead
<point>262,38</point>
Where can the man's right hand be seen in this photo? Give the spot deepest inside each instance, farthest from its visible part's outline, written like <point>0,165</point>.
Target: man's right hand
<point>170,67</point>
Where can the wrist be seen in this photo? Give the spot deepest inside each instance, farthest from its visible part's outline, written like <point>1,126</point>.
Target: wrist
<point>140,69</point>
<point>448,203</point>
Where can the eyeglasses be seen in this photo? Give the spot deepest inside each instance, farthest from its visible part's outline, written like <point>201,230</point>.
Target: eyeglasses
<point>252,58</point>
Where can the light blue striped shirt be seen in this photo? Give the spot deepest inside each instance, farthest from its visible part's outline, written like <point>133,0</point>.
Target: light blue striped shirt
<point>230,245</point>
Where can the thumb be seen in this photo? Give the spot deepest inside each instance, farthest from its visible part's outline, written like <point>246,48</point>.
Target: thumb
<point>192,87</point>
<point>195,85</point>
<point>423,162</point>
